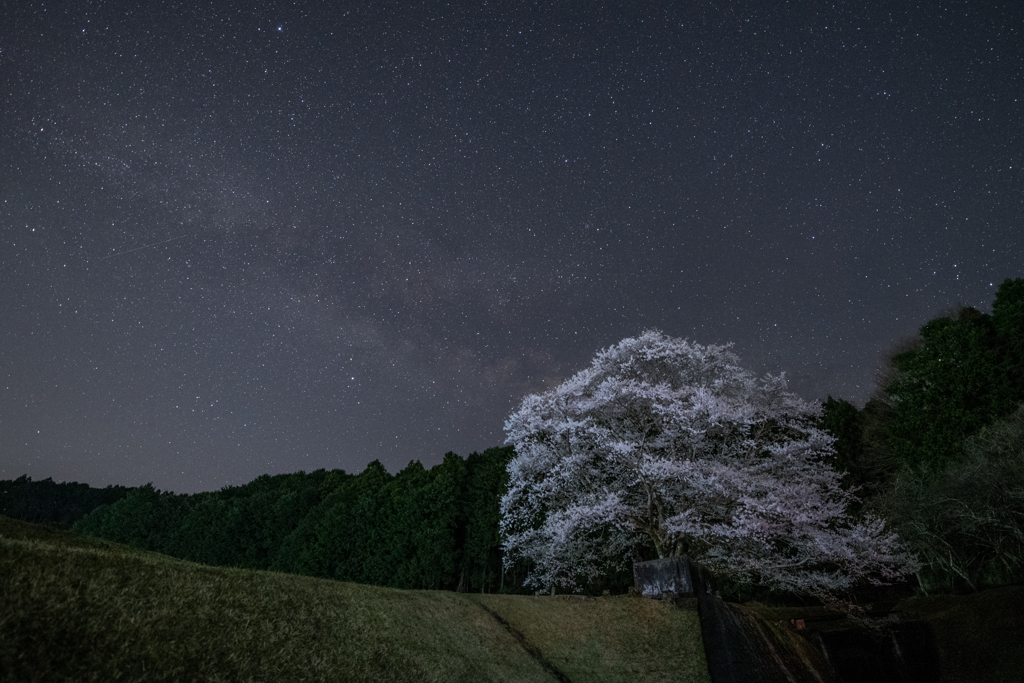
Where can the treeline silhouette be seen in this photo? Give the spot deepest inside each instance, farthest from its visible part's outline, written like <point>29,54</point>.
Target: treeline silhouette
<point>47,502</point>
<point>420,528</point>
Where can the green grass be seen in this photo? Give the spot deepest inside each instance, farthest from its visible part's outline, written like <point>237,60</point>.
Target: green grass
<point>608,639</point>
<point>83,609</point>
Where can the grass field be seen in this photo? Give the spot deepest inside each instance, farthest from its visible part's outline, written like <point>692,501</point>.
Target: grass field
<point>74,608</point>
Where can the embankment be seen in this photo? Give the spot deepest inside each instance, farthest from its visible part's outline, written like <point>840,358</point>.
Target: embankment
<point>74,608</point>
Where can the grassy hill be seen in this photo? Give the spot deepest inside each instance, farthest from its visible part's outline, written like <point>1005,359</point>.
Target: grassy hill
<point>83,609</point>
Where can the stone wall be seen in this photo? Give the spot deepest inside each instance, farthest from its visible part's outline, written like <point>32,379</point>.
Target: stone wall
<point>739,647</point>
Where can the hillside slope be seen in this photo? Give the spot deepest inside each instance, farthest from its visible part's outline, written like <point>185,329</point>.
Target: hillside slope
<point>77,608</point>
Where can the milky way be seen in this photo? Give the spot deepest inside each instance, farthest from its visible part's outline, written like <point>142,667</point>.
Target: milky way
<point>246,239</point>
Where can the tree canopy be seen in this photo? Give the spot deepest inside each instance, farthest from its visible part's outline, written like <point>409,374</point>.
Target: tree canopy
<point>940,445</point>
<point>48,502</point>
<point>964,371</point>
<point>674,441</point>
<point>420,528</point>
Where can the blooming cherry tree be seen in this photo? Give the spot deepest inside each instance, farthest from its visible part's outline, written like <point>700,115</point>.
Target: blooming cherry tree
<point>668,439</point>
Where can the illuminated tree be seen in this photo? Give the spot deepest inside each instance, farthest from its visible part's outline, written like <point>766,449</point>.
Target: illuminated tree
<point>671,440</point>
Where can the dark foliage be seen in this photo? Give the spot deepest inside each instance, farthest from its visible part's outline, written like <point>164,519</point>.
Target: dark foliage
<point>945,390</point>
<point>940,449</point>
<point>430,529</point>
<point>966,523</point>
<point>842,419</point>
<point>966,372</point>
<point>47,502</point>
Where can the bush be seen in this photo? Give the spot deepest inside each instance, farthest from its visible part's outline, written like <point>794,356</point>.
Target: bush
<point>966,522</point>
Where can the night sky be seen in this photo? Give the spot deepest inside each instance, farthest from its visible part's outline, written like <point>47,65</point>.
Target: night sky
<point>239,239</point>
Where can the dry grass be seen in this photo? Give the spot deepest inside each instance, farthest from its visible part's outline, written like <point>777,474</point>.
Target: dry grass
<point>609,639</point>
<point>81,609</point>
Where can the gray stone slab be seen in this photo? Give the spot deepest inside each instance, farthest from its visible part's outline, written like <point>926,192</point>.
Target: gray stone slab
<point>668,577</point>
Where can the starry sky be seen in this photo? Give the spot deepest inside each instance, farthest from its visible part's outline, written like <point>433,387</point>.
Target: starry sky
<point>239,239</point>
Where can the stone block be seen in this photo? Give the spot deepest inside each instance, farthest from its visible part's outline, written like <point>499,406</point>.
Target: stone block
<point>668,577</point>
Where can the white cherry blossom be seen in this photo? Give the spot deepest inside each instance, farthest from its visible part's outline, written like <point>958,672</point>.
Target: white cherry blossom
<point>674,440</point>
